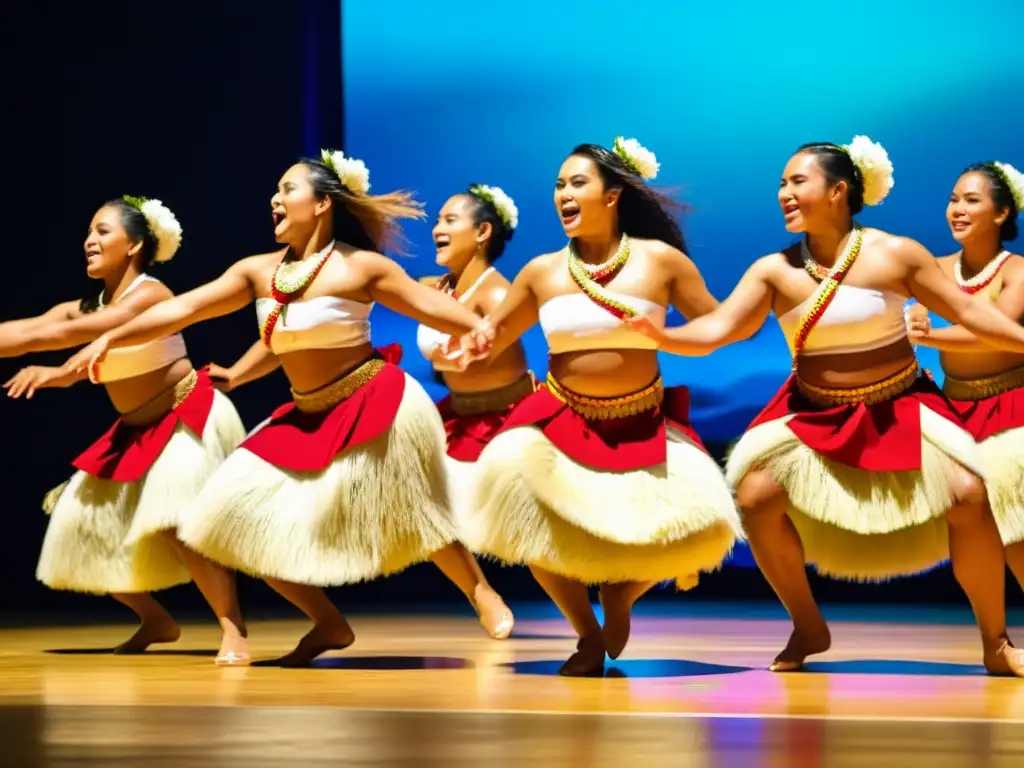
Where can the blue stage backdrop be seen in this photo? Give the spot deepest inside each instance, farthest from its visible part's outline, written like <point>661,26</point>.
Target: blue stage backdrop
<point>438,96</point>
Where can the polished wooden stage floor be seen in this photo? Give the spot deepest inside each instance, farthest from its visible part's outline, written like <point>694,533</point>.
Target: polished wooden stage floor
<point>897,689</point>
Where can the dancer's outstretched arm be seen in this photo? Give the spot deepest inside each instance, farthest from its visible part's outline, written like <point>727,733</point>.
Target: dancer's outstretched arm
<point>65,326</point>
<point>257,362</point>
<point>228,293</point>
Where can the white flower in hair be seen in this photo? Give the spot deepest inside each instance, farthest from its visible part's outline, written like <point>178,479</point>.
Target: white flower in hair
<point>162,223</point>
<point>637,157</point>
<point>502,203</point>
<point>876,169</point>
<point>353,173</point>
<point>1015,181</point>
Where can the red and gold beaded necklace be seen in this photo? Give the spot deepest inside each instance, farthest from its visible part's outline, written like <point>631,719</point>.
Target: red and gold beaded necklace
<point>830,280</point>
<point>591,277</point>
<point>290,281</point>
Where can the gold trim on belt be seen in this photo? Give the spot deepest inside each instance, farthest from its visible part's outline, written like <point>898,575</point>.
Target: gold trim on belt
<point>886,389</point>
<point>155,409</point>
<point>325,398</point>
<point>618,407</point>
<point>979,389</point>
<point>493,400</point>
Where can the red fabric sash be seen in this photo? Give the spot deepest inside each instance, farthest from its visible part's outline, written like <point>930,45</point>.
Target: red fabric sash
<point>613,445</point>
<point>309,442</point>
<point>125,453</point>
<point>468,435</point>
<point>992,415</point>
<point>885,437</point>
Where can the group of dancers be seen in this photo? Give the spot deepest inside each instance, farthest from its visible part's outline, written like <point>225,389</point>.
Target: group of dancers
<point>859,465</point>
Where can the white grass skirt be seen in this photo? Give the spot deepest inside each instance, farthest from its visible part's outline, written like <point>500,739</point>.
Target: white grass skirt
<point>106,536</point>
<point>857,524</point>
<point>532,504</point>
<point>1003,458</point>
<point>376,509</point>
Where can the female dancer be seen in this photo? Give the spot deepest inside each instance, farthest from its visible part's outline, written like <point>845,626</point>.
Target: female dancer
<point>598,478</point>
<point>347,482</point>
<point>858,464</point>
<point>112,525</point>
<point>986,384</point>
<point>471,231</point>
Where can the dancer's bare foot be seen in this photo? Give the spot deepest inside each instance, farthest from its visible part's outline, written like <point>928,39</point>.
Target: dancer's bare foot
<point>618,600</point>
<point>1005,660</point>
<point>322,638</point>
<point>801,645</point>
<point>588,661</point>
<point>158,630</point>
<point>495,616</point>
<point>234,649</point>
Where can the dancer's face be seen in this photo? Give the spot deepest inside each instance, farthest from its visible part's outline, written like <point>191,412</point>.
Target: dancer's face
<point>108,247</point>
<point>805,196</point>
<point>295,207</point>
<point>456,238</point>
<point>972,213</point>
<point>586,207</point>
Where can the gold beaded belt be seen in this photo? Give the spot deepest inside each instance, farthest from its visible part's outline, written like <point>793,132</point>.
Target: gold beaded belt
<point>979,389</point>
<point>647,398</point>
<point>325,398</point>
<point>886,389</point>
<point>155,409</point>
<point>493,400</point>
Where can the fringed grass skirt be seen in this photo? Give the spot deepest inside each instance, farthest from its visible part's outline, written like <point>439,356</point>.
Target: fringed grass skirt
<point>108,536</point>
<point>996,421</point>
<point>868,485</point>
<point>332,497</point>
<point>624,499</point>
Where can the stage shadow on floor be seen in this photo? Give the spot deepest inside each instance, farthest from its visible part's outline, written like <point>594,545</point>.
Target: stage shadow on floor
<point>384,663</point>
<point>894,667</point>
<point>633,668</point>
<point>211,652</point>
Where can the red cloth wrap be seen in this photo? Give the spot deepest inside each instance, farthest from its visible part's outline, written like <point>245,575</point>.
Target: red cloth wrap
<point>992,415</point>
<point>885,437</point>
<point>467,435</point>
<point>612,445</point>
<point>125,453</point>
<point>309,442</point>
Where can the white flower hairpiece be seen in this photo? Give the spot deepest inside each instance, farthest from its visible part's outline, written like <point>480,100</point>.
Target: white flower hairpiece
<point>162,223</point>
<point>503,204</point>
<point>353,173</point>
<point>1015,181</point>
<point>875,168</point>
<point>637,157</point>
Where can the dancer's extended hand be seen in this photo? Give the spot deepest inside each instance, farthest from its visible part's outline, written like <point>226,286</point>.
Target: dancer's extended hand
<point>643,324</point>
<point>30,378</point>
<point>88,358</point>
<point>220,377</point>
<point>919,323</point>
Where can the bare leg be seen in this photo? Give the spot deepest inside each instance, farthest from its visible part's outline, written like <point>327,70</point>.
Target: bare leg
<point>617,600</point>
<point>779,553</point>
<point>330,631</point>
<point>218,587</point>
<point>573,601</point>
<point>1015,559</point>
<point>157,624</point>
<point>458,564</point>
<point>980,568</point>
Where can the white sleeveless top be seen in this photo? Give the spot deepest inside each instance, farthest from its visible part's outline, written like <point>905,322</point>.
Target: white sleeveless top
<point>574,323</point>
<point>429,339</point>
<point>128,362</point>
<point>857,320</point>
<point>324,322</point>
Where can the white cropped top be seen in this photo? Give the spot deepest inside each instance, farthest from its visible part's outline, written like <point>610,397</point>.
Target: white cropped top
<point>857,320</point>
<point>429,339</point>
<point>324,322</point>
<point>574,323</point>
<point>127,362</point>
